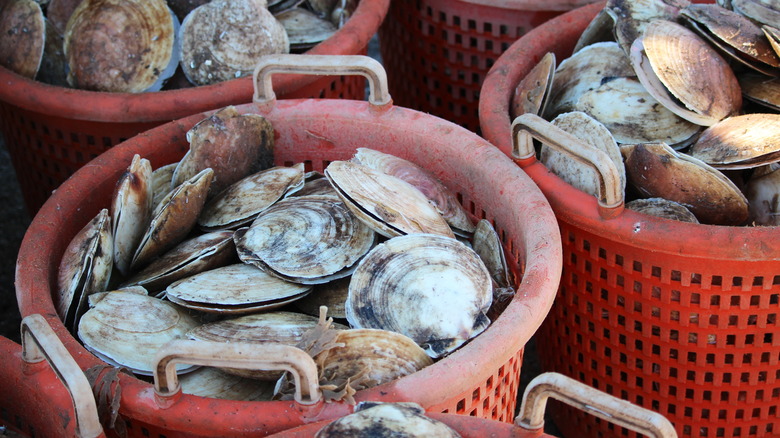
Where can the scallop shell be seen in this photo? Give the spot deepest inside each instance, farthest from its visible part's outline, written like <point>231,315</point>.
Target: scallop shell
<point>121,45</point>
<point>131,210</point>
<point>332,294</point>
<point>763,195</point>
<point>84,269</point>
<point>656,170</point>
<point>441,197</point>
<point>234,289</point>
<point>386,420</point>
<point>533,90</point>
<point>309,239</point>
<point>240,203</point>
<point>224,39</point>
<point>305,29</point>
<point>431,288</point>
<point>22,36</point>
<point>662,208</point>
<point>761,89</point>
<point>214,383</point>
<point>388,204</point>
<point>126,328</point>
<point>740,142</point>
<point>707,89</point>
<point>173,218</point>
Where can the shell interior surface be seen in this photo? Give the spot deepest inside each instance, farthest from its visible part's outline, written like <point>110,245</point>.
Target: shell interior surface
<point>305,29</point>
<point>131,210</point>
<point>388,204</point>
<point>22,36</point>
<point>214,383</point>
<point>761,89</point>
<point>121,45</point>
<point>662,208</point>
<point>308,239</point>
<point>431,288</point>
<point>763,195</point>
<point>533,90</point>
<point>441,197</point>
<point>740,142</point>
<point>241,202</point>
<point>129,328</point>
<point>387,420</point>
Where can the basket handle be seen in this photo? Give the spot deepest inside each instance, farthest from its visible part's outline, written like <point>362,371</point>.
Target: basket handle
<point>610,192</point>
<point>267,356</point>
<point>371,69</point>
<point>591,400</point>
<point>39,342</point>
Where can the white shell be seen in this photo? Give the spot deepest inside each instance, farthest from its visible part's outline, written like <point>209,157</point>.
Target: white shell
<point>131,210</point>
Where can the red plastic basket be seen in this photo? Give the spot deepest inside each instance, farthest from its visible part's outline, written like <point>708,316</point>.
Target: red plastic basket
<point>52,131</point>
<point>437,52</point>
<point>44,392</point>
<point>675,317</point>
<point>480,379</point>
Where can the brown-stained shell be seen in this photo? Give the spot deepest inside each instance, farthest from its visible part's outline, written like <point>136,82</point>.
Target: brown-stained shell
<point>224,39</point>
<point>388,204</point>
<point>760,11</point>
<point>439,195</point>
<point>332,295</point>
<point>54,66</point>
<point>58,13</point>
<point>662,208</point>
<point>120,45</point>
<point>763,195</point>
<point>761,89</point>
<point>532,92</point>
<point>22,36</point>
<point>707,90</point>
<point>173,218</point>
<point>631,17</point>
<point>740,142</point>
<point>131,210</point>
<point>387,420</point>
<point>773,36</point>
<point>305,29</point>
<point>656,170</point>
<point>233,145</point>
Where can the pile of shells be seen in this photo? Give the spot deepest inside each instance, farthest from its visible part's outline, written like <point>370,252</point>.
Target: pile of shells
<point>135,46</point>
<point>684,100</point>
<point>223,246</point>
<point>387,419</point>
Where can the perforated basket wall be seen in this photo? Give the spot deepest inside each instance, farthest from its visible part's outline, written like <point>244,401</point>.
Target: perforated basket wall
<point>437,52</point>
<point>678,318</point>
<point>52,131</point>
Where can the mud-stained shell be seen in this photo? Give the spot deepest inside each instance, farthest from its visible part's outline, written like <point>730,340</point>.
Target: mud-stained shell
<point>121,45</point>
<point>657,171</point>
<point>190,257</point>
<point>439,195</point>
<point>487,245</point>
<point>583,71</point>
<point>224,39</point>
<point>387,420</point>
<point>54,66</point>
<point>707,89</point>
<point>632,16</point>
<point>761,89</point>
<point>237,288</point>
<point>173,218</point>
<point>764,12</point>
<point>532,92</point>
<point>305,29</point>
<point>214,383</point>
<point>85,268</point>
<point>127,328</point>
<point>308,239</point>
<point>632,115</point>
<point>763,195</point>
<point>332,294</point>
<point>740,142</point>
<point>233,145</point>
<point>241,202</point>
<point>735,35</point>
<point>22,36</point>
<point>389,205</point>
<point>161,182</point>
<point>431,288</point>
<point>662,208</point>
<point>58,13</point>
<point>593,132</point>
<point>131,210</point>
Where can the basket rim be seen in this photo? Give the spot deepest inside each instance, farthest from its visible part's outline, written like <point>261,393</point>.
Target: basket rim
<point>541,252</point>
<point>580,209</point>
<point>169,105</point>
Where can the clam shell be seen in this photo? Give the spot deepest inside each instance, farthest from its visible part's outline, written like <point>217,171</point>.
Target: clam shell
<point>309,239</point>
<point>568,168</point>
<point>707,89</point>
<point>173,218</point>
<point>599,29</point>
<point>759,11</point>
<point>441,197</point>
<point>662,208</point>
<point>195,255</point>
<point>763,195</point>
<point>533,90</point>
<point>183,7</point>
<point>487,245</point>
<point>305,29</point>
<point>22,36</point>
<point>240,203</point>
<point>54,66</point>
<point>58,13</point>
<point>740,142</point>
<point>656,170</point>
<point>238,288</point>
<point>388,204</point>
<point>386,420</point>
<point>131,210</point>
<point>214,383</point>
<point>127,329</point>
<point>315,183</point>
<point>121,45</point>
<point>632,115</point>
<point>773,36</point>
<point>162,178</point>
<point>631,17</point>
<point>431,288</point>
<point>761,89</point>
<point>332,294</point>
<point>233,145</point>
<point>224,39</point>
<point>323,8</point>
